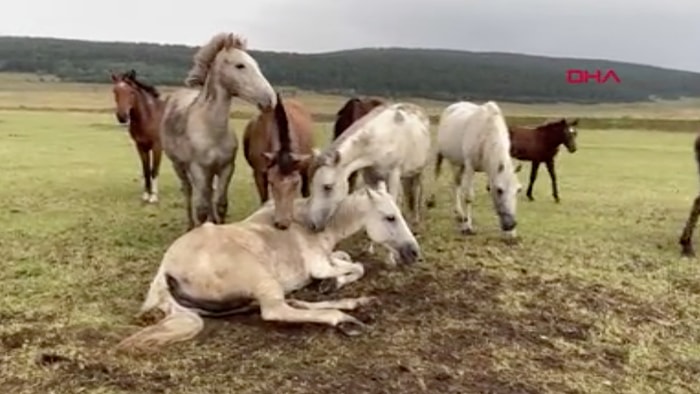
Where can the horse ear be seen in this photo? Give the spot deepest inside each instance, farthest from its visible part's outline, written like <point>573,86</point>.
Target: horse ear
<point>575,122</point>
<point>381,187</point>
<point>228,41</point>
<point>269,158</point>
<point>336,158</point>
<point>301,161</point>
<point>114,77</point>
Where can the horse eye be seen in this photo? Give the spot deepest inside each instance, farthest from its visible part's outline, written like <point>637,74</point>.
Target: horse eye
<point>390,218</point>
<point>499,191</point>
<point>240,66</point>
<point>327,188</point>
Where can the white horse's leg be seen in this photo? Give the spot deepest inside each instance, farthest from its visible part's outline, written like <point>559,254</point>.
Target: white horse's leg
<point>346,304</point>
<point>457,172</point>
<point>273,307</point>
<point>337,271</point>
<point>467,182</point>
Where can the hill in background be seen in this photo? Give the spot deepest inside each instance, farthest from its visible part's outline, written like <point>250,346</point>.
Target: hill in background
<point>391,72</point>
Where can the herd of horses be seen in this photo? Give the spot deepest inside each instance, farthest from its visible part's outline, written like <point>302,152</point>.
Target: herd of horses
<point>217,268</point>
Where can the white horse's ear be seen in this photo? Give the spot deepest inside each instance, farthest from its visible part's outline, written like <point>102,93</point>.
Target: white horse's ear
<point>381,187</point>
<point>373,196</point>
<point>335,160</point>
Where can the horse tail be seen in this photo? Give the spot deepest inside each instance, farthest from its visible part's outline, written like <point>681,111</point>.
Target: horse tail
<point>157,296</point>
<point>178,326</point>
<point>697,152</point>
<point>430,203</point>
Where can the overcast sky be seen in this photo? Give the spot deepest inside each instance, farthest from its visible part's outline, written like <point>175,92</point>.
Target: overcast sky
<point>664,33</point>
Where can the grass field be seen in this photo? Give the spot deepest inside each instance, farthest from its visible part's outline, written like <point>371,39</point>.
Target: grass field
<point>594,299</point>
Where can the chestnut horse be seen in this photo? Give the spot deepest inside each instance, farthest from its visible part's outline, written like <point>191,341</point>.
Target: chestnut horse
<point>354,109</point>
<point>686,239</point>
<point>278,146</point>
<point>540,144</point>
<point>139,105</point>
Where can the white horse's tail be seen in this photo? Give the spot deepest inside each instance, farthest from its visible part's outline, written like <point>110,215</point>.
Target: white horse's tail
<point>157,296</point>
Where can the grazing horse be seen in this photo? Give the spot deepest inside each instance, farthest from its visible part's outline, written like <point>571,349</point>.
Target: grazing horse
<point>686,239</point>
<point>474,138</point>
<point>278,146</point>
<point>195,126</point>
<point>540,145</point>
<point>217,270</point>
<point>354,109</point>
<point>139,105</point>
<point>390,144</point>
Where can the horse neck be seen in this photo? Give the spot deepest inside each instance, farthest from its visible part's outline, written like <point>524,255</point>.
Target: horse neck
<point>216,101</point>
<point>353,154</point>
<point>498,152</point>
<point>550,138</point>
<point>144,108</point>
<point>349,217</point>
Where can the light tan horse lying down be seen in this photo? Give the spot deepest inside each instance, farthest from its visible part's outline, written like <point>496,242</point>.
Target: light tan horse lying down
<point>217,270</point>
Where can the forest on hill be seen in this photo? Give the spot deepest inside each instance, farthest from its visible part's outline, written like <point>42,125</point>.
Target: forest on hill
<point>390,72</point>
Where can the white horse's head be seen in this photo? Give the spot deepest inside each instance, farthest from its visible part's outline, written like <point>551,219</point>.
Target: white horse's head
<point>329,186</point>
<point>225,58</point>
<point>385,225</point>
<point>504,187</point>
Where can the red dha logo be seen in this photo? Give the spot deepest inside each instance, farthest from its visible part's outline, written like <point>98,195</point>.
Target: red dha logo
<point>575,76</point>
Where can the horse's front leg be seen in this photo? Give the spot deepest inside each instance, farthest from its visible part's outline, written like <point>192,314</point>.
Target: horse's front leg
<point>223,180</point>
<point>145,170</point>
<point>686,239</point>
<point>553,176</point>
<point>335,271</point>
<point>533,176</point>
<point>186,186</point>
<point>466,185</point>
<point>156,154</point>
<point>202,179</point>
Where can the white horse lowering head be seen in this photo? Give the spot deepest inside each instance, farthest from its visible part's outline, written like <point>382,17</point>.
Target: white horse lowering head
<point>504,188</point>
<point>329,187</point>
<point>385,225</point>
<point>225,58</point>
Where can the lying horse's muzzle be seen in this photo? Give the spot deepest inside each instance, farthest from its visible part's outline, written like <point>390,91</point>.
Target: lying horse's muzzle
<point>409,253</point>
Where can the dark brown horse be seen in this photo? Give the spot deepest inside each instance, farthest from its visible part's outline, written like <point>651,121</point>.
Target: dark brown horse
<point>278,146</point>
<point>686,239</point>
<point>139,105</point>
<point>354,109</point>
<point>540,144</point>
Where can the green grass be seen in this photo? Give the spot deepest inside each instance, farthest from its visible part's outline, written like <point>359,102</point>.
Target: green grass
<point>594,299</point>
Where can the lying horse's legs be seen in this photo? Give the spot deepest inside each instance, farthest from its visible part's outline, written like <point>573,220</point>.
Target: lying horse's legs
<point>181,172</point>
<point>221,192</point>
<point>335,272</point>
<point>686,239</point>
<point>179,326</point>
<point>273,307</point>
<point>202,179</point>
<point>346,304</point>
<point>533,176</point>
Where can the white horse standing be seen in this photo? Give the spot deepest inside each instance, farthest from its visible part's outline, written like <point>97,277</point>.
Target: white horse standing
<point>217,270</point>
<point>474,138</point>
<point>390,144</point>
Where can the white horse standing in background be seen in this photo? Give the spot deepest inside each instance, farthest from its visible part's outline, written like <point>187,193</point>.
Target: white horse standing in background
<point>390,144</point>
<point>474,138</point>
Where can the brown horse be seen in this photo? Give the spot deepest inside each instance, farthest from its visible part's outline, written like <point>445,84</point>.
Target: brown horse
<point>686,239</point>
<point>139,105</point>
<point>354,109</point>
<point>278,146</point>
<point>540,144</point>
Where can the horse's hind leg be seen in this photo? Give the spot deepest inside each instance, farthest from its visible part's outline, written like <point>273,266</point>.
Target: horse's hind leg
<point>686,239</point>
<point>221,192</point>
<point>346,304</point>
<point>202,178</point>
<point>180,326</point>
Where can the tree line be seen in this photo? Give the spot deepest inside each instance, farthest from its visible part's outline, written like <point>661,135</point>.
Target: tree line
<point>390,72</point>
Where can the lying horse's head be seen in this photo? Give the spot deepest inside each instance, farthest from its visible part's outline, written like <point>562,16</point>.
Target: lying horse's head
<point>385,225</point>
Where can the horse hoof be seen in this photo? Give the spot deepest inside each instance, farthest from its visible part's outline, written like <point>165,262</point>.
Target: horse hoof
<point>352,328</point>
<point>530,198</point>
<point>688,252</point>
<point>556,200</point>
<point>153,199</point>
<point>145,197</point>
<point>366,301</point>
<point>328,285</point>
<point>341,255</point>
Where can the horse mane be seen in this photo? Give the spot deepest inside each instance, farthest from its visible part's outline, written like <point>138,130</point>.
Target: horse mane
<point>130,76</point>
<point>551,123</point>
<point>205,56</point>
<point>284,158</point>
<point>350,132</point>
